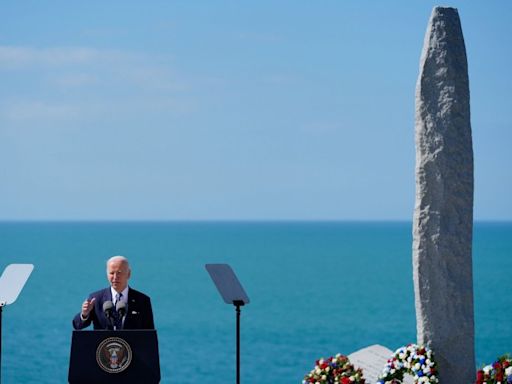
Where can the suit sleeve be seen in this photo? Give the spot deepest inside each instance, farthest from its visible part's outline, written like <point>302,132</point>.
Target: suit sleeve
<point>79,324</point>
<point>149,322</point>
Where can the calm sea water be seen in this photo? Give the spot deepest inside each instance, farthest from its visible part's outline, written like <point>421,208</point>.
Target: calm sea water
<point>315,288</point>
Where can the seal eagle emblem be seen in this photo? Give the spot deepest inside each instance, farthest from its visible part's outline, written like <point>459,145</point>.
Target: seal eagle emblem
<point>114,355</point>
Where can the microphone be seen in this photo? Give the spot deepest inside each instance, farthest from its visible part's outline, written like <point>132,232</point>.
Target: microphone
<point>107,310</point>
<point>121,308</point>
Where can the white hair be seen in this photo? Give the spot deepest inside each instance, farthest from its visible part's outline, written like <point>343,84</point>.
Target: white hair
<point>118,258</point>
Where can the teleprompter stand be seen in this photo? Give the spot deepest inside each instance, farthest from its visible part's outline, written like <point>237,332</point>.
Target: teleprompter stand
<point>233,293</point>
<point>12,281</point>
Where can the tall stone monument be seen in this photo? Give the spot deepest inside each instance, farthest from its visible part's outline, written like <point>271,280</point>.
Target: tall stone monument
<point>443,215</point>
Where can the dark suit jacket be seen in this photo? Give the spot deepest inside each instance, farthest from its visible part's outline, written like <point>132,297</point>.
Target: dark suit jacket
<point>139,314</point>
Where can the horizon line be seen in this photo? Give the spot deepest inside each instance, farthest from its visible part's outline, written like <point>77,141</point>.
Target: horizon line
<point>219,220</point>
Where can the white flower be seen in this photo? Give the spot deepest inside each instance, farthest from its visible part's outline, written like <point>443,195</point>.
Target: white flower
<point>508,371</point>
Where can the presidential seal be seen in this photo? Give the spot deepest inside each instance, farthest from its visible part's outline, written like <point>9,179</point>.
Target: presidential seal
<point>114,355</point>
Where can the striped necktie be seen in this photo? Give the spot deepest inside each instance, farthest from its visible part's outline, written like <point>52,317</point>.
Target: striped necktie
<point>118,320</point>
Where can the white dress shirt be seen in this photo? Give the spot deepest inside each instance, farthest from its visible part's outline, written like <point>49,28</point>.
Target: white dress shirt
<point>124,298</point>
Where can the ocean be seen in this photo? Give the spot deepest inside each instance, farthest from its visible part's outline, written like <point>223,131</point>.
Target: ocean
<point>315,289</point>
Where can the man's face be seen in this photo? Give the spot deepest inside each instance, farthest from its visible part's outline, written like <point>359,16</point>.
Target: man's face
<point>118,275</point>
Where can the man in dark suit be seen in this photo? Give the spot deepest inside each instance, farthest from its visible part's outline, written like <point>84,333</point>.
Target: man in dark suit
<point>138,310</point>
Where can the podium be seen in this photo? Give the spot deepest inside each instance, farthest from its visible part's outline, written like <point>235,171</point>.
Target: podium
<point>123,356</point>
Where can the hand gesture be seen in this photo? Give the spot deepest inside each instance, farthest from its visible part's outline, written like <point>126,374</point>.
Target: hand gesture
<point>87,307</point>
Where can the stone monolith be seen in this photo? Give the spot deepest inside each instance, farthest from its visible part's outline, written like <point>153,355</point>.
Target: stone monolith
<point>443,215</point>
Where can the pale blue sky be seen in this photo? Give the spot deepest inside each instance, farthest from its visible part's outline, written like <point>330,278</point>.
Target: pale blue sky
<point>174,110</point>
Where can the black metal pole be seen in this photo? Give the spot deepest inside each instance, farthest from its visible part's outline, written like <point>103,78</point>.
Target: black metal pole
<point>238,304</point>
<point>1,308</point>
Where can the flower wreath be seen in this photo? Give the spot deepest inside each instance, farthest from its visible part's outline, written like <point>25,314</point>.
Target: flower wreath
<point>334,370</point>
<point>498,372</point>
<point>415,360</point>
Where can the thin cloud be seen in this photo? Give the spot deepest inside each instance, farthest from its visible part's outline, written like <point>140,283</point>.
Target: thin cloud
<point>114,77</point>
<point>151,77</point>
<point>16,57</point>
<point>38,110</point>
<point>261,37</point>
<point>73,80</point>
<point>85,66</point>
<point>322,127</point>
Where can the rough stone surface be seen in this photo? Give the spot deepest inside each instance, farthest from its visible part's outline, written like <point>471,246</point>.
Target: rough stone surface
<point>443,215</point>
